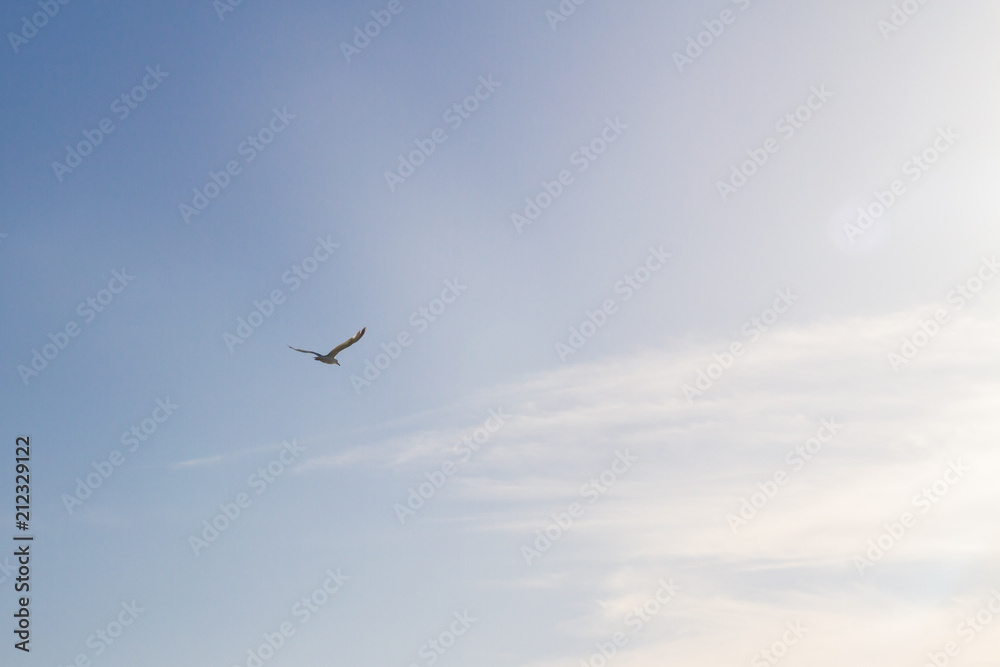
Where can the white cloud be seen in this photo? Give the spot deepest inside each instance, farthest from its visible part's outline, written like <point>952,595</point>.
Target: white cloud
<point>194,463</point>
<point>666,517</point>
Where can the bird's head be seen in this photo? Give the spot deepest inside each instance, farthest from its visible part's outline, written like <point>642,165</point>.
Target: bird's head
<point>336,362</point>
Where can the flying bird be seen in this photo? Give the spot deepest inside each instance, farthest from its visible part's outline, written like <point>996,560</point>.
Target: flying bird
<point>331,358</point>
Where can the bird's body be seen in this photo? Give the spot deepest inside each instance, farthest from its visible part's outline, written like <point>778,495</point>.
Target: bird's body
<point>331,357</point>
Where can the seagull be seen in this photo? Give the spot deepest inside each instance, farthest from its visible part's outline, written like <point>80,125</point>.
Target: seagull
<point>331,358</point>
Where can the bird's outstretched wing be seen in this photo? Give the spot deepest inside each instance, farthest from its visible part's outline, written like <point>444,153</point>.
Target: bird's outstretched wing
<point>347,343</point>
<point>306,351</point>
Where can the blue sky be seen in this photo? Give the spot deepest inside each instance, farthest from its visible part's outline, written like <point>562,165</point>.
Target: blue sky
<point>651,351</point>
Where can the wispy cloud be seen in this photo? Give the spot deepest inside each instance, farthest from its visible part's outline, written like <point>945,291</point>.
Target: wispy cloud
<point>197,463</point>
<point>668,517</point>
